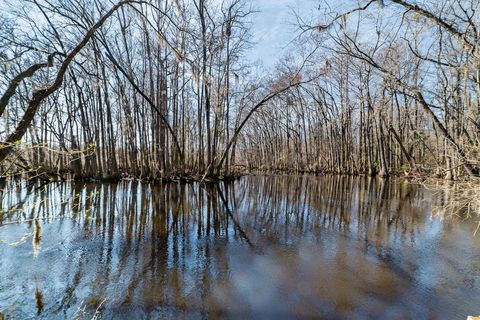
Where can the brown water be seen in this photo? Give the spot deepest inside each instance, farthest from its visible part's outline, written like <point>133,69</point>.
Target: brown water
<point>263,247</point>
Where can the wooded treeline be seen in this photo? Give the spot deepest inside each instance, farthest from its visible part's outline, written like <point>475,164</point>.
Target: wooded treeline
<point>162,89</point>
<point>159,90</point>
<point>398,93</point>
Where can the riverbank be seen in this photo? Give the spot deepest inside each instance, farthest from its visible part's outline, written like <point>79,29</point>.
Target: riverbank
<point>420,177</point>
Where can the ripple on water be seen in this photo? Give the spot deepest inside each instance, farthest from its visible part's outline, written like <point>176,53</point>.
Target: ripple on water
<point>267,247</point>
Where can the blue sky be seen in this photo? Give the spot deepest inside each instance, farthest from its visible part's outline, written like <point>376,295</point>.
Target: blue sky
<point>273,26</point>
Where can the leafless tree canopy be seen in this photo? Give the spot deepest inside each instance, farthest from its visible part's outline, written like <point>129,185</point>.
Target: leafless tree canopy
<point>162,89</point>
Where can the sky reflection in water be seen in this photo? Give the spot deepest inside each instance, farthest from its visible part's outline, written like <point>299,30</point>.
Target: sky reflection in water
<point>263,247</point>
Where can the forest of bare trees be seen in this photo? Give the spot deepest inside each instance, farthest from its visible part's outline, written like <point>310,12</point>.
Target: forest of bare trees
<point>162,89</point>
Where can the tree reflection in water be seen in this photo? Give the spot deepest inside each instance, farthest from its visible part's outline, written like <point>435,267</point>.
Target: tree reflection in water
<point>262,247</point>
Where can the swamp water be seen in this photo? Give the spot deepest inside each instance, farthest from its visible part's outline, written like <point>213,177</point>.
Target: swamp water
<point>261,247</point>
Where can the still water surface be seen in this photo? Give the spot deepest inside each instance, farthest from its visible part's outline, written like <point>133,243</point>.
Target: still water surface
<point>262,247</point>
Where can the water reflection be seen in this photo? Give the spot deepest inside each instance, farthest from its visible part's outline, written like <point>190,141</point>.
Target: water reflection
<point>263,247</point>
<point>38,298</point>
<point>37,231</point>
